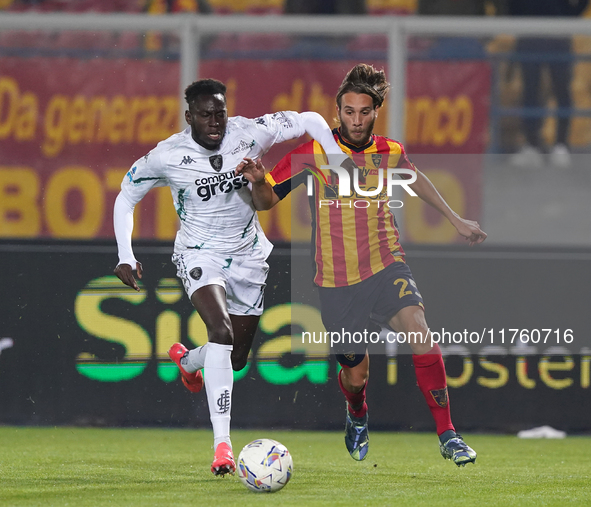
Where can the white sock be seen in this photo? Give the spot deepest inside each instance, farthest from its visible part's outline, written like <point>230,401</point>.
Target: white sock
<point>195,359</point>
<point>219,379</point>
<point>219,440</point>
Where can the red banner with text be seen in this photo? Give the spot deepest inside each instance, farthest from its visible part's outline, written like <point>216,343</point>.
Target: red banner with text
<point>70,129</point>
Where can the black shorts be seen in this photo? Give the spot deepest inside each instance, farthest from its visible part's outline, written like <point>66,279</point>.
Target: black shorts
<point>366,307</point>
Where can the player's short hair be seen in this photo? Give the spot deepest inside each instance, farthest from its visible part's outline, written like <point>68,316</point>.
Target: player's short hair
<point>204,87</point>
<point>364,78</point>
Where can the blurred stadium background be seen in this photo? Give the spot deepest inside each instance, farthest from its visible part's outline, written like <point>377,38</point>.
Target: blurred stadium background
<point>89,86</point>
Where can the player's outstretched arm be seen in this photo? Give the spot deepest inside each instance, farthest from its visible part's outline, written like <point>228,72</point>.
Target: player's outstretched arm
<point>263,196</point>
<point>123,225</point>
<point>317,128</point>
<point>469,229</point>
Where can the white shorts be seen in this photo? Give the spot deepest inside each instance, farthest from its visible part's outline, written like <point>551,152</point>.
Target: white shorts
<point>242,276</point>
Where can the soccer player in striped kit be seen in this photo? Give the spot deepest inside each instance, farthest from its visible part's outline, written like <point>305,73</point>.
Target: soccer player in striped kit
<point>361,273</point>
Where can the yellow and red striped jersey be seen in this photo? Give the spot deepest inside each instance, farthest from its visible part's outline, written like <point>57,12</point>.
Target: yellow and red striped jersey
<point>355,237</point>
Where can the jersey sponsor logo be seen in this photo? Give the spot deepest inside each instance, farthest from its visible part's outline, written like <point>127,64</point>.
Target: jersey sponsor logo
<point>187,160</point>
<point>364,172</point>
<point>196,273</point>
<point>260,121</point>
<point>243,146</point>
<point>217,184</point>
<point>216,162</point>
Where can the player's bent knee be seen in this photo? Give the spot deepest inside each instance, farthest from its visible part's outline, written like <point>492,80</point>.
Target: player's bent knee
<point>221,334</point>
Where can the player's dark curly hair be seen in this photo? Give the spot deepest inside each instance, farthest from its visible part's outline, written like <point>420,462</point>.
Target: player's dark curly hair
<point>364,78</point>
<point>204,87</point>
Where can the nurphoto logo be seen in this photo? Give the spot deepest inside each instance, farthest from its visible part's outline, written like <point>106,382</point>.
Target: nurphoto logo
<point>344,186</point>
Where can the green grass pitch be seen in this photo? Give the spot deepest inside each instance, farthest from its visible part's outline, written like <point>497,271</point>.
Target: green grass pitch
<point>170,467</point>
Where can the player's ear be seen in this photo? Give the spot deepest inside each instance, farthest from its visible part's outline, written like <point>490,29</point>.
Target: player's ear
<point>338,117</point>
<point>188,117</point>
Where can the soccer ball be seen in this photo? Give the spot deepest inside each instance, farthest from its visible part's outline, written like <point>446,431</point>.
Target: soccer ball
<point>265,465</point>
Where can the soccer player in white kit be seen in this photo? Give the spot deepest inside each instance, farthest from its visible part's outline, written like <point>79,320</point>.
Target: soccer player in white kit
<point>220,249</point>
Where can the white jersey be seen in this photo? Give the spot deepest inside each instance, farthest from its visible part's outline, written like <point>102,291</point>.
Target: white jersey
<point>214,206</point>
